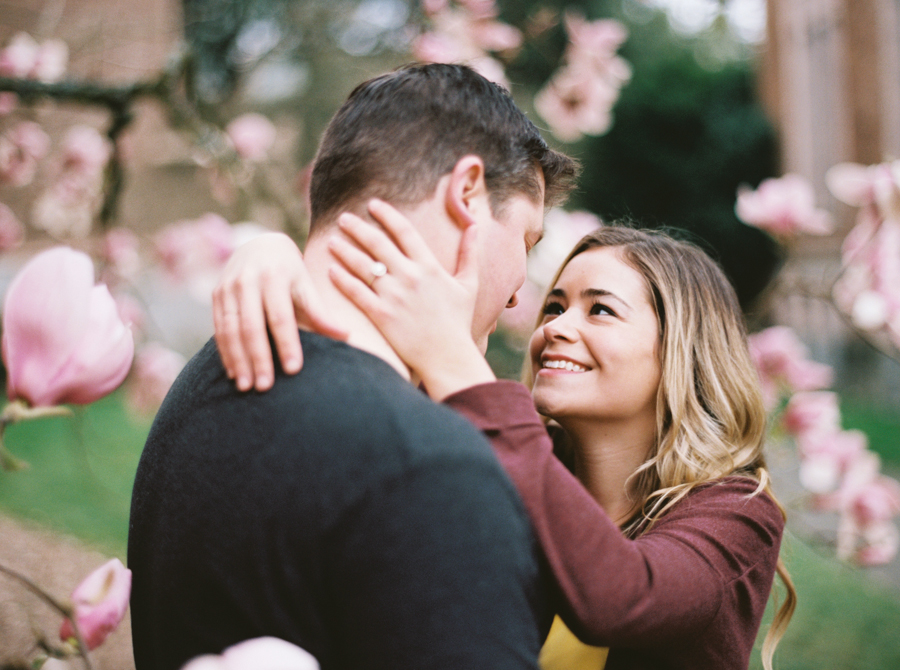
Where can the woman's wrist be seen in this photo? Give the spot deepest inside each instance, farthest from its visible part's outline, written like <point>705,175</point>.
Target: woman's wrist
<point>444,378</point>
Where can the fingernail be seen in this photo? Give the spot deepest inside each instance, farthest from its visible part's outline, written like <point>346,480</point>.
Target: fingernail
<point>243,383</point>
<point>263,382</point>
<point>292,365</point>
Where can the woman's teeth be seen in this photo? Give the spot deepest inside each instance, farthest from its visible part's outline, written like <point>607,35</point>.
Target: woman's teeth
<point>565,365</point>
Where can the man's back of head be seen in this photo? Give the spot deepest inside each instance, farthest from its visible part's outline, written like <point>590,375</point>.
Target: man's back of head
<point>398,133</point>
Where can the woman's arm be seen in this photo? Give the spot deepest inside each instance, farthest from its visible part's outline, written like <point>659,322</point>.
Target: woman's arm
<point>669,582</point>
<point>266,283</point>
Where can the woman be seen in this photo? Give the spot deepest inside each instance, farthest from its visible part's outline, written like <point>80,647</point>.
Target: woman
<point>666,544</point>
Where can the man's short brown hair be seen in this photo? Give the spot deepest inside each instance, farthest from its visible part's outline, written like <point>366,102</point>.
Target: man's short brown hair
<point>399,133</point>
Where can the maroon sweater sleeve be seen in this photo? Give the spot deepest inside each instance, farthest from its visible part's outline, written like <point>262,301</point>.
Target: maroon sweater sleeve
<point>715,549</point>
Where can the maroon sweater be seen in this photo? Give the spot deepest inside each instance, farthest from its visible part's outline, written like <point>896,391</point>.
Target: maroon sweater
<point>689,593</point>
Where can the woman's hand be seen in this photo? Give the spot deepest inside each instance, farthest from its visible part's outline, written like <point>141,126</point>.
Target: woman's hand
<point>424,311</point>
<point>265,282</point>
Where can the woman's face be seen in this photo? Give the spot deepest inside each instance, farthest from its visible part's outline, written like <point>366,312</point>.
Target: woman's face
<point>595,354</point>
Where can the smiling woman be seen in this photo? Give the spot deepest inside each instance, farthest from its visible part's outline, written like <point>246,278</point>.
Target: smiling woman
<point>640,357</point>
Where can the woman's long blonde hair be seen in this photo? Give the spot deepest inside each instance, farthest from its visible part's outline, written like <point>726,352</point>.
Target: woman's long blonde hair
<point>711,421</point>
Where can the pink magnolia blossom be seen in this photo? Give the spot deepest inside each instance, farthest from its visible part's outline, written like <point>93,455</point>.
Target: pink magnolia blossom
<point>12,232</point>
<point>188,247</point>
<point>480,9</point>
<point>261,653</point>
<point>868,289</point>
<point>131,311</point>
<point>24,58</point>
<point>827,455</point>
<point>17,59</point>
<point>880,544</point>
<point>155,370</point>
<point>51,61</point>
<point>878,502</point>
<point>68,206</point>
<point>63,340</point>
<point>576,102</point>
<point>595,43</point>
<point>435,47</point>
<point>252,135</point>
<point>870,310</point>
<point>496,35</point>
<point>861,186</point>
<point>121,249</point>
<point>782,364</point>
<point>812,412</point>
<point>852,183</point>
<point>783,207</point>
<point>21,149</point>
<point>868,502</point>
<point>100,602</point>
<point>195,251</point>
<point>84,149</point>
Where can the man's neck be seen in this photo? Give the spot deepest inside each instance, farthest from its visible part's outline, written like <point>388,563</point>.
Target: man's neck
<point>363,334</point>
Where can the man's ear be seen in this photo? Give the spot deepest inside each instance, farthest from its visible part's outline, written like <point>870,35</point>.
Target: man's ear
<point>466,192</point>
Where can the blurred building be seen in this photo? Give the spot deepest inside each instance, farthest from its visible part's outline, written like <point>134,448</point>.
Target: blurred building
<point>830,81</point>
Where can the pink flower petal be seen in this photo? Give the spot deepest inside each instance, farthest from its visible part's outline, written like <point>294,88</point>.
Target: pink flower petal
<point>63,340</point>
<point>100,603</point>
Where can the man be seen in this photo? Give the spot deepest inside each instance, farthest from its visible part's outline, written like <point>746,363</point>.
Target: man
<point>343,511</point>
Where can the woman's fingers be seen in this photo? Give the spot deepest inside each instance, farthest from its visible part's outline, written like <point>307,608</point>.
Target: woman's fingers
<point>255,367</point>
<point>404,234</point>
<point>372,240</point>
<point>358,262</point>
<point>356,291</point>
<point>278,304</point>
<point>228,332</point>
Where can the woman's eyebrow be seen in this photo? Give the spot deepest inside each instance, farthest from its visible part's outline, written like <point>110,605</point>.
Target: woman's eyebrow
<point>602,293</point>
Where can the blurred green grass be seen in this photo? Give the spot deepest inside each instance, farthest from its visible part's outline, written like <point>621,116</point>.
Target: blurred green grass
<point>82,470</point>
<point>844,620</point>
<point>881,424</point>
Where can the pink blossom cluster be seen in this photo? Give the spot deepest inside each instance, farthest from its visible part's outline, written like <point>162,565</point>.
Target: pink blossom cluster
<point>783,207</point>
<point>252,136</point>
<point>67,207</point>
<point>868,289</point>
<point>835,464</point>
<point>467,31</point>
<point>562,231</point>
<point>154,372</point>
<point>21,149</point>
<point>195,251</point>
<point>783,365</point>
<point>25,58</point>
<point>579,97</point>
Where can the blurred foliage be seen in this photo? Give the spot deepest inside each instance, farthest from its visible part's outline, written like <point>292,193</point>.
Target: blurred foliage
<point>688,130</point>
<point>81,471</point>
<point>843,621</point>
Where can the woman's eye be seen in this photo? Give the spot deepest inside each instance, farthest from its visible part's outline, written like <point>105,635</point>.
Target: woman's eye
<point>552,309</point>
<point>598,309</point>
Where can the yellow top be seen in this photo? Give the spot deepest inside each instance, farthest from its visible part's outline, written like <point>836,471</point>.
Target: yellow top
<point>564,651</point>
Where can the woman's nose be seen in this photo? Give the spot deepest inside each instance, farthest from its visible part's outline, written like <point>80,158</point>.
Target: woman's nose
<point>513,301</point>
<point>560,328</point>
